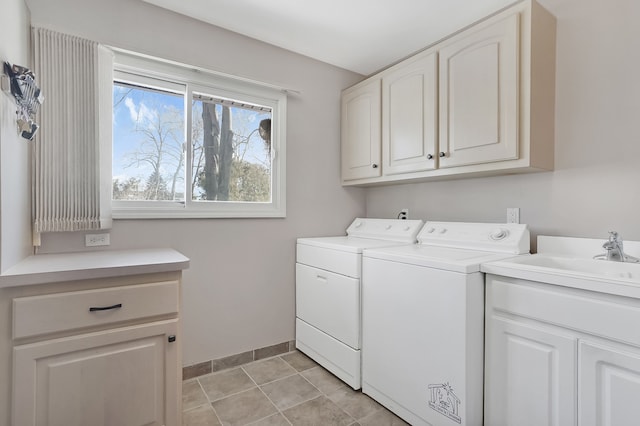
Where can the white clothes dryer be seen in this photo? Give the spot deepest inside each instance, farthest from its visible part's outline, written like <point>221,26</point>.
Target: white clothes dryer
<point>328,271</point>
<point>423,320</point>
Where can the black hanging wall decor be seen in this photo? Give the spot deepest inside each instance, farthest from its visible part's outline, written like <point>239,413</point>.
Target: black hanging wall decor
<point>20,82</point>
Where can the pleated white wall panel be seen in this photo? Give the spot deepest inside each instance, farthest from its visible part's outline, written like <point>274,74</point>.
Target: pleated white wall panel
<point>72,156</point>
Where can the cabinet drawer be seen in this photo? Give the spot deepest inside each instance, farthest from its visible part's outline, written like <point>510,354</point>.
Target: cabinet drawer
<point>37,315</point>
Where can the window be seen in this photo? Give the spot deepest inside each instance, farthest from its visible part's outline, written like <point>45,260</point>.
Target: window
<point>192,143</point>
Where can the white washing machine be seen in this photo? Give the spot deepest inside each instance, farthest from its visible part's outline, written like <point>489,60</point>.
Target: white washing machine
<point>328,271</point>
<point>423,320</point>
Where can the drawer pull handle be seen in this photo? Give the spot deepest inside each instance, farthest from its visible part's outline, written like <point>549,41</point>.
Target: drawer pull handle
<point>321,277</point>
<point>105,308</point>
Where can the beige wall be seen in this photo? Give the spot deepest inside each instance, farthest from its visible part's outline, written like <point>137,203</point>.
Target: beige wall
<point>15,207</point>
<point>15,213</point>
<point>596,183</point>
<point>239,292</point>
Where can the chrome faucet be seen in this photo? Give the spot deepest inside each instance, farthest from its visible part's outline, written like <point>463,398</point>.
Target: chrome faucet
<point>615,250</point>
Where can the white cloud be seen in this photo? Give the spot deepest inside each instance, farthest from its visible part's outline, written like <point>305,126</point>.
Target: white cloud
<point>142,113</point>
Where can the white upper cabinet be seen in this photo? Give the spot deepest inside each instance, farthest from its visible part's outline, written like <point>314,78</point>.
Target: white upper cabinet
<point>409,114</point>
<point>479,95</point>
<point>361,127</point>
<point>478,103</point>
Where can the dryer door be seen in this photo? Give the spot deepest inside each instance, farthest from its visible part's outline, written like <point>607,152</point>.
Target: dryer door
<point>329,302</point>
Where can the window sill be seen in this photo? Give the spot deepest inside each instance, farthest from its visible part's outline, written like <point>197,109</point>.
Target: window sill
<point>177,213</point>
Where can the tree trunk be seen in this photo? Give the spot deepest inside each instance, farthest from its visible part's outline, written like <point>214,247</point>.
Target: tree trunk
<point>211,143</point>
<point>226,155</point>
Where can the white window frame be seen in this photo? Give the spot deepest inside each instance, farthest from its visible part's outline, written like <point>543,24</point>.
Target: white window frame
<point>141,69</point>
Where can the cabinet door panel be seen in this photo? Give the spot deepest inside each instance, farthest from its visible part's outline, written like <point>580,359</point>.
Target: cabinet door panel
<point>529,376</point>
<point>473,97</point>
<point>409,117</point>
<point>361,132</point>
<point>125,376</point>
<point>609,385</point>
<point>479,96</point>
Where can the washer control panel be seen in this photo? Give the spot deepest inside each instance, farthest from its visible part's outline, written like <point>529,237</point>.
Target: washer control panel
<point>386,229</point>
<point>494,237</point>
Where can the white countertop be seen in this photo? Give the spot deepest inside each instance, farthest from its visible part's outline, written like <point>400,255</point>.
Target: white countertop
<point>49,268</point>
<point>568,262</point>
<point>615,284</point>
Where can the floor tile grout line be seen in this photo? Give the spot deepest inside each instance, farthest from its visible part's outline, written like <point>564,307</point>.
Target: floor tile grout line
<point>259,388</point>
<point>278,410</point>
<point>281,378</point>
<point>299,403</point>
<point>327,395</point>
<point>210,401</point>
<point>248,375</point>
<point>196,407</point>
<point>215,413</point>
<point>274,404</point>
<point>322,394</point>
<point>272,381</point>
<point>232,394</point>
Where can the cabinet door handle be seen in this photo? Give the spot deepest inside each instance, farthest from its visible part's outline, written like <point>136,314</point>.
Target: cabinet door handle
<point>429,156</point>
<point>375,166</point>
<point>105,308</point>
<point>442,154</point>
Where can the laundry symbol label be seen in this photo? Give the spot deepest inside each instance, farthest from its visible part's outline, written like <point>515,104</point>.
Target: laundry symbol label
<point>444,401</point>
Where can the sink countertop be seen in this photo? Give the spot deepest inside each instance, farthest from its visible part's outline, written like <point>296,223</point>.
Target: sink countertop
<point>57,267</point>
<point>569,262</point>
<point>586,281</point>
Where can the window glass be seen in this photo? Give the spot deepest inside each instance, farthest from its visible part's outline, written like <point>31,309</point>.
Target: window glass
<point>231,154</point>
<point>148,144</point>
<point>194,143</point>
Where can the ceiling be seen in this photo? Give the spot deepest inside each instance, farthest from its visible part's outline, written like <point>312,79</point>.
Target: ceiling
<point>363,36</point>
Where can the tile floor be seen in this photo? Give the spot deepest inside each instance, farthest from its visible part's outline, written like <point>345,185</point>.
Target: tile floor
<point>289,389</point>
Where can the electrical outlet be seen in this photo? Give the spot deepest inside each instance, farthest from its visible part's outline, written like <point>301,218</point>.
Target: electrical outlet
<point>404,214</point>
<point>513,215</point>
<point>93,240</point>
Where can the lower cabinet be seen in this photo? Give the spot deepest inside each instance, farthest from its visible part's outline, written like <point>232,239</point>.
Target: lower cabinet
<point>116,377</point>
<point>105,355</point>
<point>558,356</point>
